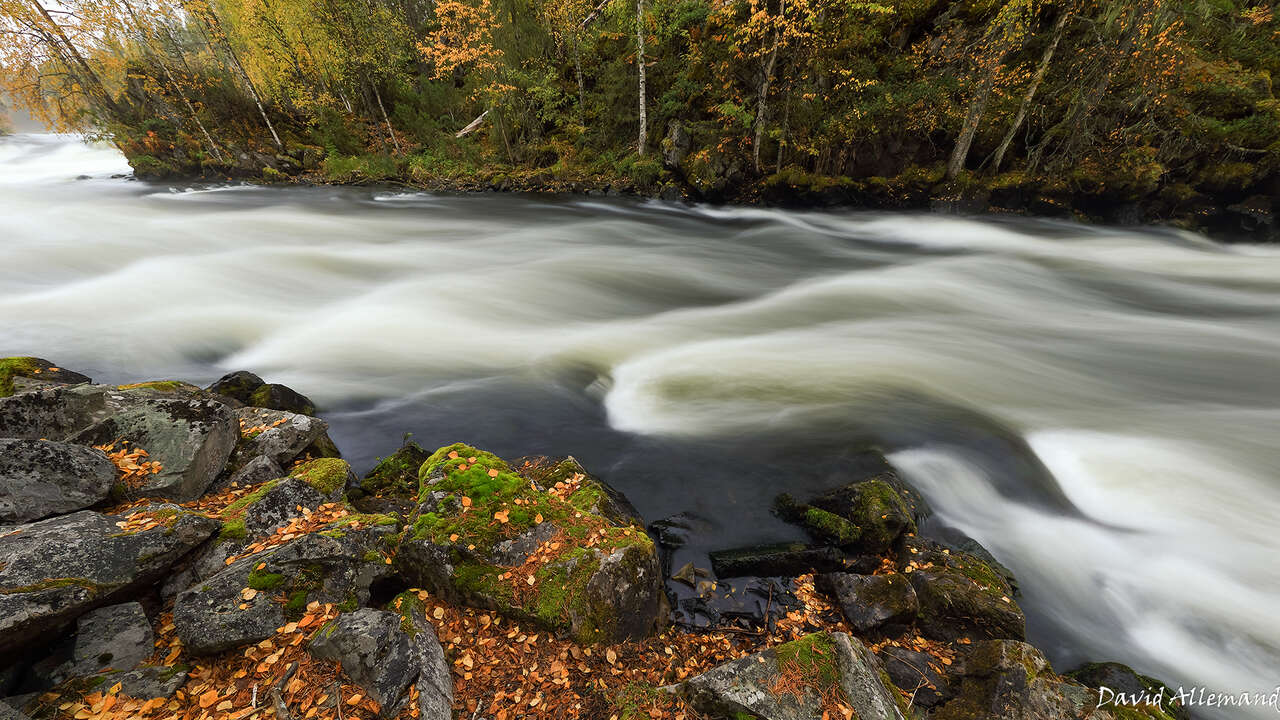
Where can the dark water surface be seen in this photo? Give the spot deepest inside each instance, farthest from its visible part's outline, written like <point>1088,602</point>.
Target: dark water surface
<point>1099,407</point>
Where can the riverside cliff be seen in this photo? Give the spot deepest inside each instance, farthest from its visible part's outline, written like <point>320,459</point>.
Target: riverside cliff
<point>174,551</point>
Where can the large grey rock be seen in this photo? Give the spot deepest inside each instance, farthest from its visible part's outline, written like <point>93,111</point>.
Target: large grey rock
<point>191,437</point>
<point>378,654</point>
<point>56,570</point>
<point>53,413</point>
<point>281,503</point>
<point>255,472</point>
<point>189,434</point>
<point>334,566</point>
<point>118,637</point>
<point>831,664</point>
<point>39,478</point>
<point>870,602</point>
<point>276,434</point>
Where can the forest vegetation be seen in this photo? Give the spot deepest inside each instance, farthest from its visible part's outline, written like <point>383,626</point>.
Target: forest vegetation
<point>1109,108</point>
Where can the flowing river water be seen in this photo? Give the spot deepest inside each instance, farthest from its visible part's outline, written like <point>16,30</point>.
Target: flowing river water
<point>1099,407</point>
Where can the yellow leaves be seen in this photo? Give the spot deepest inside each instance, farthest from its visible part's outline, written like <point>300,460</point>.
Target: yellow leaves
<point>502,516</point>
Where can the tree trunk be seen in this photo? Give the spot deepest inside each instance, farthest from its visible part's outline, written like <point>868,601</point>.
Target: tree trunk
<point>970,128</point>
<point>582,87</point>
<point>212,20</point>
<point>191,108</point>
<point>1030,95</point>
<point>1081,108</point>
<point>644,117</point>
<point>765,82</point>
<point>390,131</point>
<point>70,50</point>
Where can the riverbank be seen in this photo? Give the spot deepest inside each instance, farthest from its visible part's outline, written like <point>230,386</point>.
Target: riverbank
<point>1210,203</point>
<point>178,551</point>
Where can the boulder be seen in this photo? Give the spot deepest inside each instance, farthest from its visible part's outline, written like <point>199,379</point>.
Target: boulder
<point>386,654</point>
<point>255,472</point>
<point>822,668</point>
<point>282,397</point>
<point>334,565</point>
<point>918,674</point>
<point>778,560</point>
<point>278,435</point>
<point>52,413</point>
<point>330,477</point>
<point>20,374</point>
<point>190,437</point>
<point>117,637</point>
<point>56,570</point>
<point>871,602</point>
<point>867,515</point>
<point>593,575</point>
<point>1122,680</point>
<point>1011,680</point>
<point>238,386</point>
<point>961,596</point>
<point>39,478</point>
<point>281,502</point>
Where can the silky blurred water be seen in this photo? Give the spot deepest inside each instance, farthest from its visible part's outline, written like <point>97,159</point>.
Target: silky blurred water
<point>1099,407</point>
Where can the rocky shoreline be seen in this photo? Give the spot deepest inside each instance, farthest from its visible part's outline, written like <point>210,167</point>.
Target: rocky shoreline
<point>171,551</point>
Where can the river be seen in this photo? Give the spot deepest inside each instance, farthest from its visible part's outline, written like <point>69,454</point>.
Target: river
<point>1100,407</point>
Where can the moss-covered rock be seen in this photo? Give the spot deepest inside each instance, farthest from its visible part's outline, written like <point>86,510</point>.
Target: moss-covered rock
<point>867,515</point>
<point>1011,680</point>
<point>329,476</point>
<point>962,596</point>
<point>215,615</point>
<point>490,537</point>
<point>18,373</point>
<point>396,474</point>
<point>798,680</point>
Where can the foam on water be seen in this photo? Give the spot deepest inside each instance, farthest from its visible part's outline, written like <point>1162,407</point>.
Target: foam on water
<point>1135,370</point>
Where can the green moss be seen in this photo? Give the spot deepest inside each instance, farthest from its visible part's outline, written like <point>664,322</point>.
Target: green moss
<point>52,583</point>
<point>296,607</point>
<point>159,385</point>
<point>877,501</point>
<point>372,556</point>
<point>16,366</point>
<point>261,580</point>
<point>813,657</point>
<point>407,604</point>
<point>634,701</point>
<point>326,475</point>
<point>232,530</point>
<point>461,498</point>
<point>482,580</point>
<point>335,534</point>
<point>237,507</point>
<point>831,527</point>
